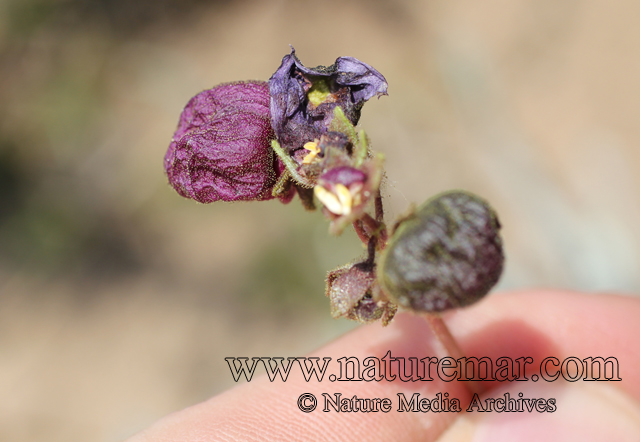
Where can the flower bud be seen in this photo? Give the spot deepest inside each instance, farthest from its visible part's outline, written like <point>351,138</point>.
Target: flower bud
<point>221,149</point>
<point>340,189</point>
<point>447,254</point>
<point>345,192</point>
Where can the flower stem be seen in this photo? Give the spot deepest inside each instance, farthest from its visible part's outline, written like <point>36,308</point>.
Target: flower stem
<point>443,334</point>
<point>359,228</point>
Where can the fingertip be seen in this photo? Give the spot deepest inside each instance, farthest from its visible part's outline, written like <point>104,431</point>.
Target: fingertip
<point>585,412</point>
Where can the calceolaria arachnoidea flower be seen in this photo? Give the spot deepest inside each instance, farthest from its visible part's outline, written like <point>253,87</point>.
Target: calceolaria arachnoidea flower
<point>303,99</point>
<point>296,134</point>
<point>221,149</point>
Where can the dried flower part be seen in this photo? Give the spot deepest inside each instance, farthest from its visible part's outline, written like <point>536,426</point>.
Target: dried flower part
<point>369,310</point>
<point>349,290</point>
<point>221,149</point>
<point>303,99</point>
<point>447,255</point>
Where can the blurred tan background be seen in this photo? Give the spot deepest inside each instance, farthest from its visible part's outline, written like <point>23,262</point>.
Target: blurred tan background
<point>119,299</point>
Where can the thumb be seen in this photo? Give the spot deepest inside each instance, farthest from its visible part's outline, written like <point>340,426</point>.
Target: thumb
<point>582,411</point>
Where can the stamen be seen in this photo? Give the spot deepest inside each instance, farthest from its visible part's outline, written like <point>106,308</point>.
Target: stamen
<point>356,193</point>
<point>329,200</point>
<point>312,147</point>
<point>344,196</point>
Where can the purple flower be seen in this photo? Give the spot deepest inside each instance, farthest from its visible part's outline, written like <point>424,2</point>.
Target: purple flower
<point>303,99</point>
<point>221,149</point>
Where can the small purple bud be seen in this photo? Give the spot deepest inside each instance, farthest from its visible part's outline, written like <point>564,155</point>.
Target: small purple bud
<point>345,192</point>
<point>221,149</point>
<point>447,254</point>
<point>340,190</point>
<point>303,99</point>
<point>345,175</point>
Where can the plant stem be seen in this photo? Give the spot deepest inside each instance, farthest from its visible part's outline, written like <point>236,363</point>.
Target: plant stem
<point>443,334</point>
<point>378,208</point>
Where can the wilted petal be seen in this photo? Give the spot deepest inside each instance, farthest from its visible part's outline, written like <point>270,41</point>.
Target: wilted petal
<point>303,99</point>
<point>365,82</point>
<point>250,96</point>
<point>221,149</point>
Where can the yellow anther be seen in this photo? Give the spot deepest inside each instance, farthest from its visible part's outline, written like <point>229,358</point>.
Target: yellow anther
<point>312,147</point>
<point>328,199</point>
<point>344,196</point>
